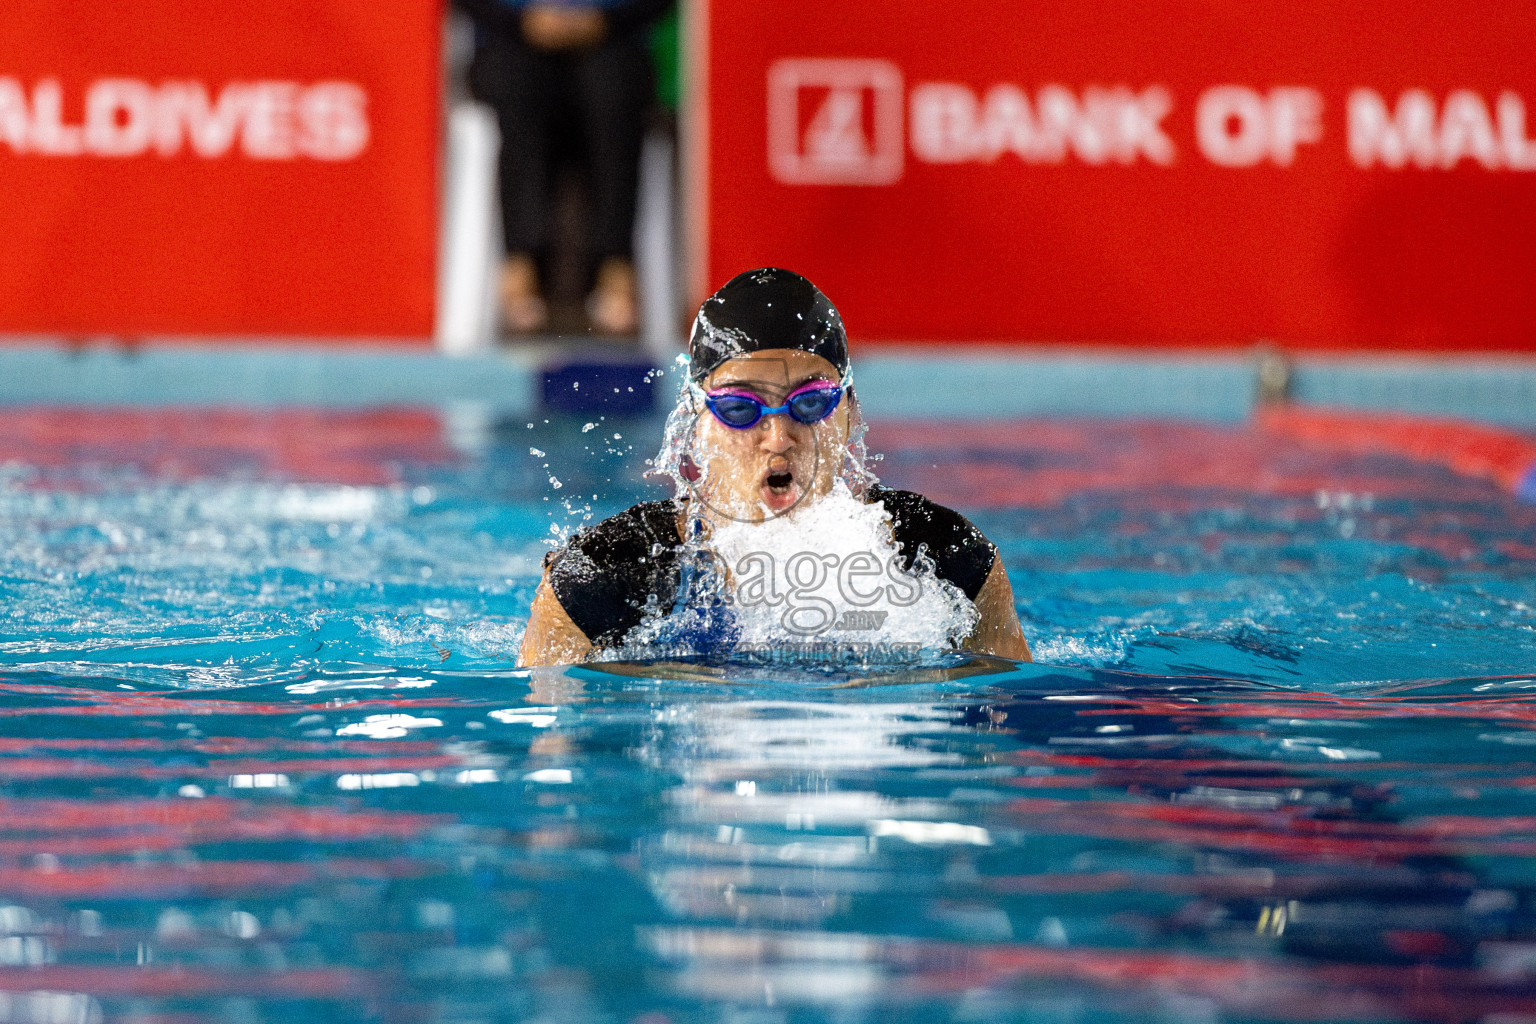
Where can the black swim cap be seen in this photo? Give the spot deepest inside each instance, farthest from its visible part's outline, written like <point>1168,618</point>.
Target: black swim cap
<point>766,308</point>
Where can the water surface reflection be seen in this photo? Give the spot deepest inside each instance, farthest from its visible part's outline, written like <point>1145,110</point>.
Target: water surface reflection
<point>669,843</point>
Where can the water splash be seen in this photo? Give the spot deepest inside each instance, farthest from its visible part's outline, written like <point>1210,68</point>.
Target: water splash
<point>826,576</point>
<point>831,572</point>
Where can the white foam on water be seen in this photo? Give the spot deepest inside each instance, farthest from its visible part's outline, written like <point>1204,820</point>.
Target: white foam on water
<point>1101,650</point>
<point>831,572</point>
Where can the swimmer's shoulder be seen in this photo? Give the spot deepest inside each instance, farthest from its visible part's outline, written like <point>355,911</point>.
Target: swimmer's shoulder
<point>961,553</point>
<point>602,576</point>
<point>625,537</point>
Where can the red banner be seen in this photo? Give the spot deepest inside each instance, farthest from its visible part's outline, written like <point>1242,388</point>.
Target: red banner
<point>1323,175</point>
<point>201,167</point>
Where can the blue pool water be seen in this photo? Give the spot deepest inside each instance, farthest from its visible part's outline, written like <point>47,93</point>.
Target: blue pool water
<point>266,756</point>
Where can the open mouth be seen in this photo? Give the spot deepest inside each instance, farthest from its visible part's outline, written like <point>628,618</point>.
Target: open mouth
<point>779,491</point>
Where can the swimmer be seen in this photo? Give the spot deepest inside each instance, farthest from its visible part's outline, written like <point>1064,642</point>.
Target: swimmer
<point>769,394</point>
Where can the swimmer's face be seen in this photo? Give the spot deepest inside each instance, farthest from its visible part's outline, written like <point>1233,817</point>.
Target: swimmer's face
<point>770,467</point>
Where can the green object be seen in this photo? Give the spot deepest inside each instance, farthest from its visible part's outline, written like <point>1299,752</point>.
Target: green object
<point>664,54</point>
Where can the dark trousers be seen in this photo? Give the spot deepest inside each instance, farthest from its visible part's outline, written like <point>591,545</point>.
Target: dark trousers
<point>544,101</point>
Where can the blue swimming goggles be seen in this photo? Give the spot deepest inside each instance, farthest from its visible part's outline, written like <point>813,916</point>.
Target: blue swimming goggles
<point>810,403</point>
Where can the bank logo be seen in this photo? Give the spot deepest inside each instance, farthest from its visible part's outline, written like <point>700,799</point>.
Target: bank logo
<point>835,121</point>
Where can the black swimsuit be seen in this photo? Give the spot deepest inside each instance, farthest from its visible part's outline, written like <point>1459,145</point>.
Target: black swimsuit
<point>608,577</point>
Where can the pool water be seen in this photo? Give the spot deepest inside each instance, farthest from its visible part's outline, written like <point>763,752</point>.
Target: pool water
<point>267,758</point>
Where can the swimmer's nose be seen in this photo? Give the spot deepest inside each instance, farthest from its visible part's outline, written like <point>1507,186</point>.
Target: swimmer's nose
<point>776,434</point>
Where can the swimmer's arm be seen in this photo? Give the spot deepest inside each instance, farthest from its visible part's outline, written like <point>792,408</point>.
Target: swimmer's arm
<point>998,632</point>
<point>551,638</point>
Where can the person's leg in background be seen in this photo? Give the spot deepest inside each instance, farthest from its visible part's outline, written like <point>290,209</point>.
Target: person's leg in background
<point>521,84</point>
<point>614,88</point>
